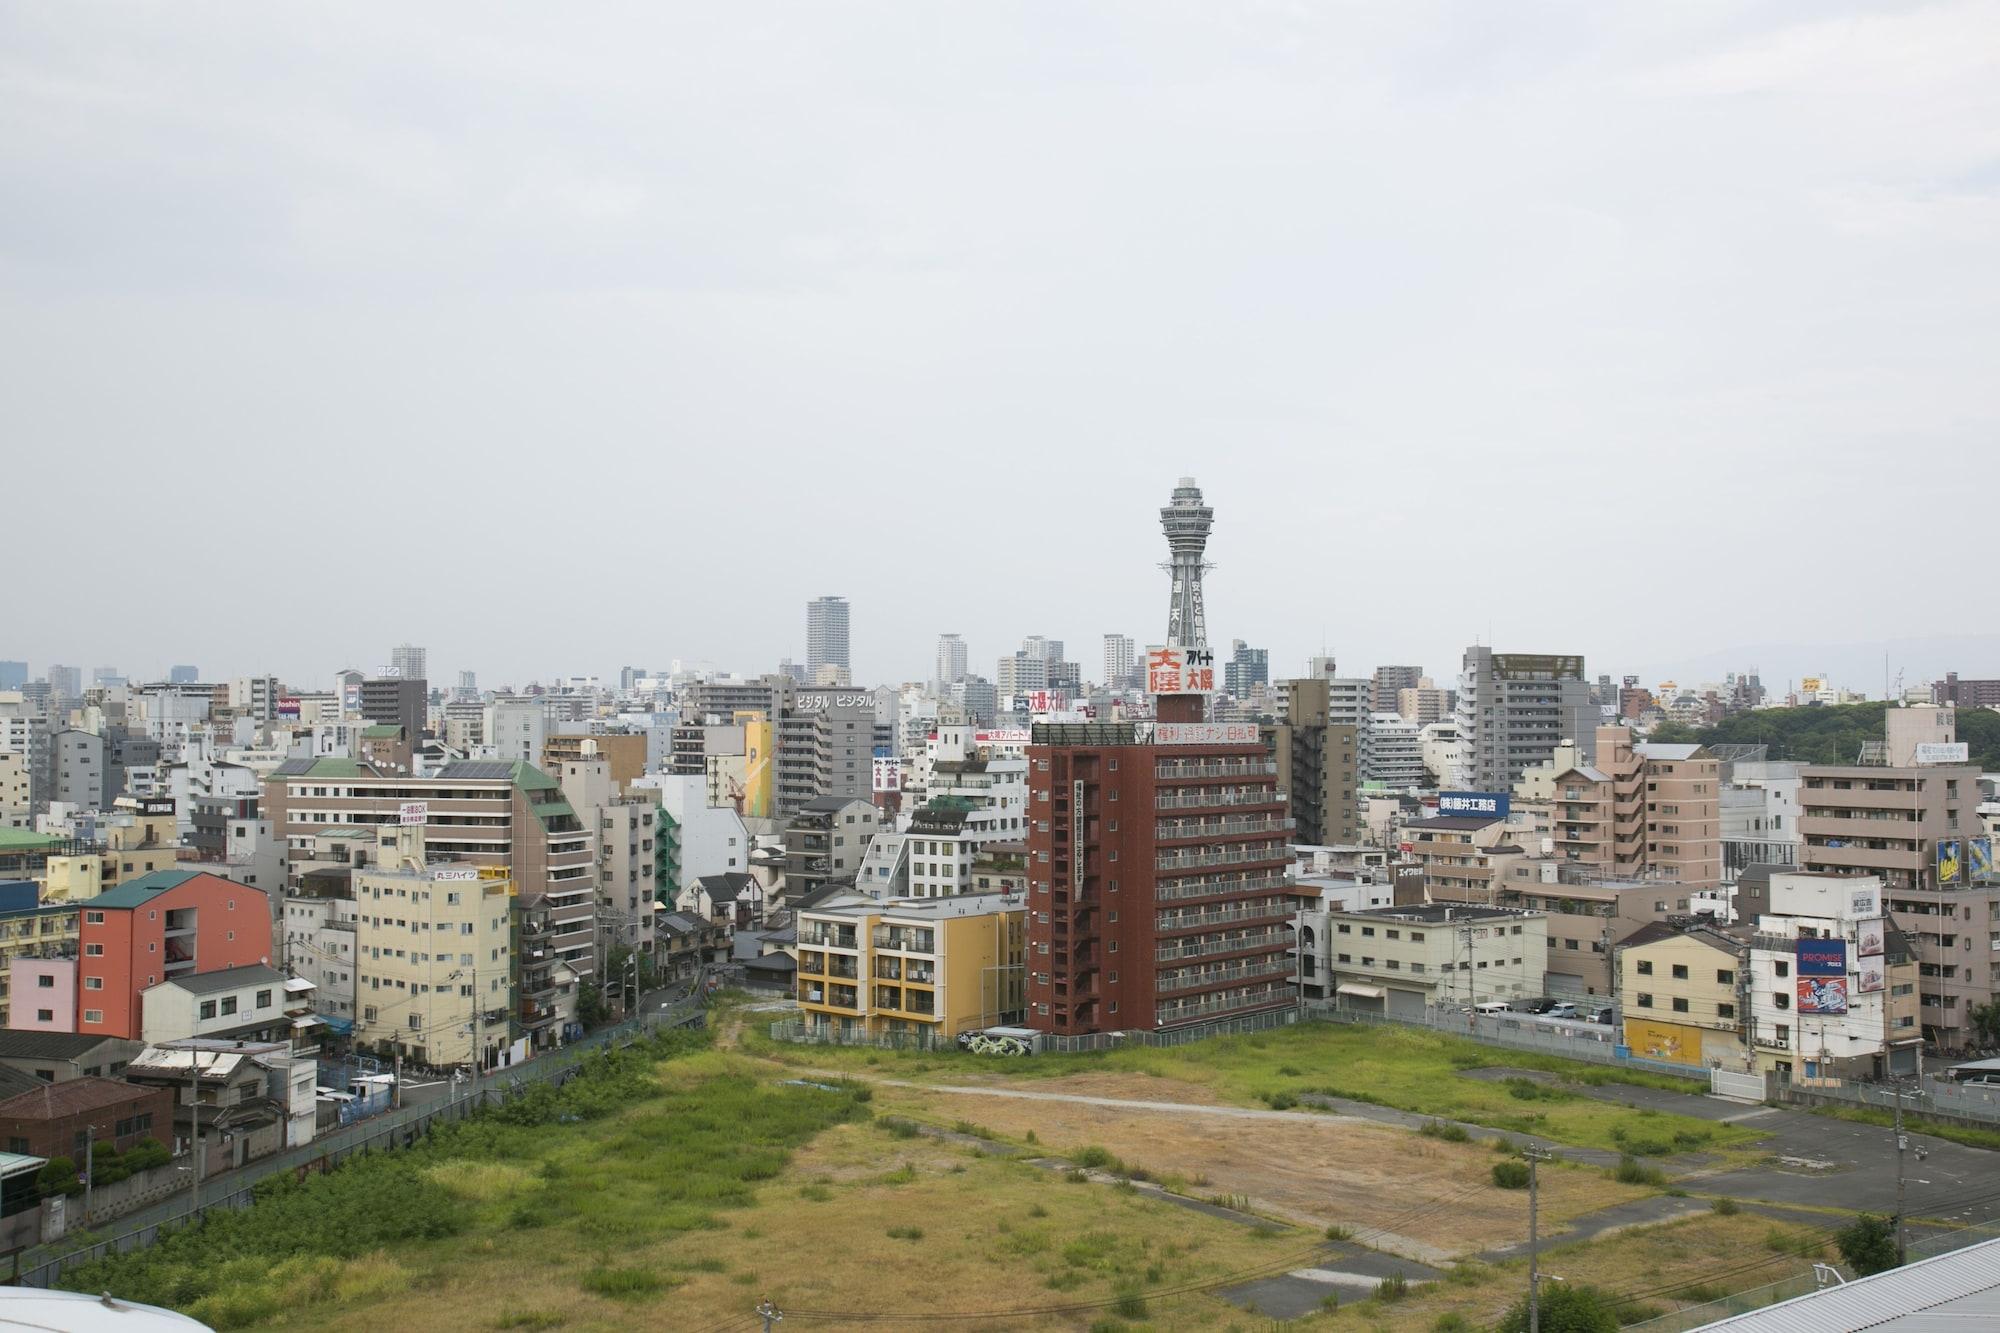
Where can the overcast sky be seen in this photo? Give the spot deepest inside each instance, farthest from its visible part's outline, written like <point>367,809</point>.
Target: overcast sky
<point>558,338</point>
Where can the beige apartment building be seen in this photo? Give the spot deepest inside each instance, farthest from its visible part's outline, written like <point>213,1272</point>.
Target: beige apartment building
<point>1588,918</point>
<point>1686,995</point>
<point>1462,856</point>
<point>1319,763</point>
<point>1886,819</point>
<point>495,814</point>
<point>1400,960</point>
<point>433,965</point>
<point>1636,810</point>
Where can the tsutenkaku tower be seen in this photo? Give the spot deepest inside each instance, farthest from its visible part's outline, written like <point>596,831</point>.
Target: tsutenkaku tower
<point>1186,522</point>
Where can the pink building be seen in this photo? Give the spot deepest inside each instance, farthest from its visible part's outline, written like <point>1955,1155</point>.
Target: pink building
<point>42,992</point>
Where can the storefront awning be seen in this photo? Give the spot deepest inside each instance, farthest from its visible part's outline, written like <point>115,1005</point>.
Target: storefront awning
<point>1365,992</point>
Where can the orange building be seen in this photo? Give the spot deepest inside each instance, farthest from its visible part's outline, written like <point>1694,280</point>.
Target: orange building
<point>169,924</point>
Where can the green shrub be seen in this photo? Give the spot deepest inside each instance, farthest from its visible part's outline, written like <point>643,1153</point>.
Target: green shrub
<point>1339,1232</point>
<point>1445,1130</point>
<point>906,1233</point>
<point>1392,1288</point>
<point>1091,1157</point>
<point>1510,1175</point>
<point>1279,1101</point>
<point>1564,1308</point>
<point>623,1284</point>
<point>1724,1207</point>
<point>898,1127</point>
<point>1450,1323</point>
<point>1129,1305</point>
<point>1868,1244</point>
<point>1629,1172</point>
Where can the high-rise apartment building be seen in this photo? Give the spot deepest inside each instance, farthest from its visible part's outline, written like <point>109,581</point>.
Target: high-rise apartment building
<point>826,635</point>
<point>1245,668</point>
<point>65,682</point>
<point>1639,810</point>
<point>254,697</point>
<point>410,661</point>
<point>1424,703</point>
<point>1514,709</point>
<point>1389,684</point>
<point>950,659</point>
<point>825,746</point>
<point>1317,747</point>
<point>1120,656</point>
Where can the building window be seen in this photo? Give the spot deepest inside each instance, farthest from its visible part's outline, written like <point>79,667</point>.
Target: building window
<point>1645,1000</point>
<point>93,918</point>
<point>1781,1000</point>
<point>263,999</point>
<point>93,1015</point>
<point>1680,972</point>
<point>1680,1005</point>
<point>46,982</point>
<point>93,983</point>
<point>208,1008</point>
<point>93,951</point>
<point>1724,977</point>
<point>1643,967</point>
<point>1725,1011</point>
<point>228,1005</point>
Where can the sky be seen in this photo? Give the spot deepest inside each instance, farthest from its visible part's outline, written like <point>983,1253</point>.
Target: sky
<point>559,340</point>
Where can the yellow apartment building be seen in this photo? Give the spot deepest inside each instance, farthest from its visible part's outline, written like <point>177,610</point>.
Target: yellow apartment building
<point>1686,995</point>
<point>918,967</point>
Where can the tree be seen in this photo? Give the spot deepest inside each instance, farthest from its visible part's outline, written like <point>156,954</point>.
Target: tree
<point>590,1010</point>
<point>1565,1308</point>
<point>1868,1244</point>
<point>1986,1023</point>
<point>1674,733</point>
<point>58,1176</point>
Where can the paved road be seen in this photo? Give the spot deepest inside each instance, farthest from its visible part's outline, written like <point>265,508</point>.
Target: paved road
<point>1115,1103</point>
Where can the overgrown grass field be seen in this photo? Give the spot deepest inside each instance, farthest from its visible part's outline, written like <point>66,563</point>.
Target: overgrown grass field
<point>1411,1069</point>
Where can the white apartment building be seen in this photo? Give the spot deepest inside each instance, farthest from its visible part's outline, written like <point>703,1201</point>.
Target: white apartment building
<point>515,729</point>
<point>711,839</point>
<point>1400,960</point>
<point>1759,808</point>
<point>625,862</point>
<point>318,935</point>
<point>1873,1030</point>
<point>1392,752</point>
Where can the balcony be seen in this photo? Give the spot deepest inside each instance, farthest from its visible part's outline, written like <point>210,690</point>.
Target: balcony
<point>1194,978</point>
<point>1222,1004</point>
<point>1181,889</point>
<point>1268,912</point>
<point>1178,770</point>
<point>1216,798</point>
<point>1226,857</point>
<point>904,940</point>
<point>1205,948</point>
<point>827,937</point>
<point>1169,830</point>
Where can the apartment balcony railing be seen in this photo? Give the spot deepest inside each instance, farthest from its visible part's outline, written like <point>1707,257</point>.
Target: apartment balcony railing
<point>1196,828</point>
<point>1179,889</point>
<point>1228,857</point>
<point>905,941</point>
<point>824,938</point>
<point>1193,977</point>
<point>1222,1004</point>
<point>1215,797</point>
<point>1203,948</point>
<point>1173,921</point>
<point>1173,770</point>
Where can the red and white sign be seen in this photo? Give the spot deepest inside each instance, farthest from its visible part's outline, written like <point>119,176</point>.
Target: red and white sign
<point>413,812</point>
<point>1172,670</point>
<point>888,773</point>
<point>1047,701</point>
<point>1204,733</point>
<point>1001,736</point>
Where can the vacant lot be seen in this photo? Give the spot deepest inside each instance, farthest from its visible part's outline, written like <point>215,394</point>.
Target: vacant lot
<point>1316,1172</point>
<point>1412,1069</point>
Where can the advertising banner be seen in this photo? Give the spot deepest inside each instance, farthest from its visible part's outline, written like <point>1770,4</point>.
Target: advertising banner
<point>1822,995</point>
<point>1944,752</point>
<point>412,812</point>
<point>1822,958</point>
<point>1872,976</point>
<point>888,773</point>
<point>1863,902</point>
<point>1868,936</point>
<point>1175,670</point>
<point>1001,736</point>
<point>1979,859</point>
<point>1479,804</point>
<point>1674,1043</point>
<point>1204,733</point>
<point>1951,864</point>
<point>288,705</point>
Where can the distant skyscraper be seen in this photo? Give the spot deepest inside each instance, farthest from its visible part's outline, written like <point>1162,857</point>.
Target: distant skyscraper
<point>950,659</point>
<point>468,686</point>
<point>13,675</point>
<point>106,676</point>
<point>826,634</point>
<point>1119,658</point>
<point>66,682</point>
<point>183,674</point>
<point>1186,522</point>
<point>409,662</point>
<point>1246,667</point>
<point>1390,682</point>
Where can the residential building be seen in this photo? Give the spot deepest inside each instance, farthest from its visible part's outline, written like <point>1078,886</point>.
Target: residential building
<point>1834,990</point>
<point>696,839</point>
<point>64,1119</point>
<point>1425,703</point>
<point>1514,709</point>
<point>687,944</point>
<point>1587,918</point>
<point>825,843</point>
<point>1388,684</point>
<point>434,955</point>
<point>1636,810</point>
<point>825,746</point>
<point>159,927</point>
<point>1318,763</point>
<point>826,635</point>
<point>1120,659</point>
<point>950,660</point>
<point>1402,960</point>
<point>1888,820</point>
<point>65,682</point>
<point>1461,857</point>
<point>240,1101</point>
<point>252,1003</point>
<point>1759,812</point>
<point>1686,994</point>
<point>515,730</point>
<point>254,697</point>
<point>318,933</point>
<point>397,701</point>
<point>38,948</point>
<point>492,814</point>
<point>927,969</point>
<point>623,752</point>
<point>58,1057</point>
<point>626,863</point>
<point>410,662</point>
<point>1950,690</point>
<point>1394,755</point>
<point>1246,668</point>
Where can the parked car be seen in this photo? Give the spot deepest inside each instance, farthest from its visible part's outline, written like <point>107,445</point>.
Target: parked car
<point>1493,1007</point>
<point>1605,1014</point>
<point>1541,1006</point>
<point>1561,1009</point>
<point>1986,1080</point>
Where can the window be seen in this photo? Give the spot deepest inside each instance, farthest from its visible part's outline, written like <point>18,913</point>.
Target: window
<point>1644,967</point>
<point>44,1016</point>
<point>208,1008</point>
<point>93,951</point>
<point>1725,1011</point>
<point>93,918</point>
<point>1724,977</point>
<point>1346,929</point>
<point>416,1022</point>
<point>45,982</point>
<point>1781,1000</point>
<point>93,983</point>
<point>1680,972</point>
<point>1784,969</point>
<point>93,1015</point>
<point>1645,1000</point>
<point>228,1004</point>
<point>1680,1005</point>
<point>263,999</point>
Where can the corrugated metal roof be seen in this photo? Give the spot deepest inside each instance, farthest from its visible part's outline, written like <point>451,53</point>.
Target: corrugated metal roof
<point>1952,1291</point>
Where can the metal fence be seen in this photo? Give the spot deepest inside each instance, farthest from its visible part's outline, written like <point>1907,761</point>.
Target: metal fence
<point>1516,1032</point>
<point>1932,1096</point>
<point>396,1129</point>
<point>797,1030</point>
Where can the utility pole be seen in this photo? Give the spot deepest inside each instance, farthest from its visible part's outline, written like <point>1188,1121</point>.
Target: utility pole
<point>194,1125</point>
<point>770,1314</point>
<point>1534,1156</point>
<point>1902,1143</point>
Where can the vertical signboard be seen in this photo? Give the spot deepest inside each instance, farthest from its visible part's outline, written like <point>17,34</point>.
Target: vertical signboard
<point>1950,862</point>
<point>1822,976</point>
<point>1176,670</point>
<point>1979,859</point>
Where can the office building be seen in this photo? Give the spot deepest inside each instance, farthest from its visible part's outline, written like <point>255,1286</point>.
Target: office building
<point>825,747</point>
<point>1246,668</point>
<point>1319,762</point>
<point>13,675</point>
<point>65,683</point>
<point>1402,960</point>
<point>925,970</point>
<point>950,660</point>
<point>183,674</point>
<point>826,635</point>
<point>397,701</point>
<point>409,661</point>
<point>1514,709</point>
<point>1120,657</point>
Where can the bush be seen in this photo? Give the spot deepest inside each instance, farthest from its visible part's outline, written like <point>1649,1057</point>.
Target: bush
<point>1445,1130</point>
<point>1564,1308</point>
<point>1279,1101</point>
<point>1129,1305</point>
<point>147,1154</point>
<point>58,1176</point>
<point>1629,1172</point>
<point>1091,1157</point>
<point>1392,1288</point>
<point>906,1233</point>
<point>1339,1232</point>
<point>1724,1207</point>
<point>1868,1244</point>
<point>1510,1175</point>
<point>1450,1323</point>
<point>623,1284</point>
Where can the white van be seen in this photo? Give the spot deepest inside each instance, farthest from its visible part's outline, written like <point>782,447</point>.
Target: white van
<point>1493,1007</point>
